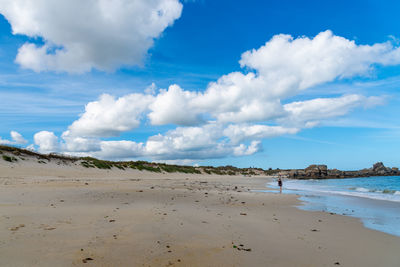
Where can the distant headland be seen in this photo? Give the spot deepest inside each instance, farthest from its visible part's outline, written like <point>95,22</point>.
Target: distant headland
<point>322,172</point>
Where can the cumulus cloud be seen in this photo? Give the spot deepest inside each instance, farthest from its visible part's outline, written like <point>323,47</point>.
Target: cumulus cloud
<point>297,64</point>
<point>281,68</point>
<point>309,113</point>
<point>47,141</point>
<point>188,143</point>
<point>239,133</point>
<point>110,116</point>
<point>242,150</point>
<point>235,113</point>
<point>239,97</point>
<point>78,143</point>
<point>16,139</point>
<point>81,35</point>
<point>120,149</point>
<point>182,143</point>
<point>174,106</point>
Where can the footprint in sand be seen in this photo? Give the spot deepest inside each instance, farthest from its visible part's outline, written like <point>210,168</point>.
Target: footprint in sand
<point>16,228</point>
<point>85,260</point>
<point>47,227</point>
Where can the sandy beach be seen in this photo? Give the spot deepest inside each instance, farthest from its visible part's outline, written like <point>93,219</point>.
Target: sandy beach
<point>62,214</point>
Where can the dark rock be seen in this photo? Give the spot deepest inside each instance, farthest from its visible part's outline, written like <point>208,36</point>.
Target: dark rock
<point>322,172</point>
<point>316,171</point>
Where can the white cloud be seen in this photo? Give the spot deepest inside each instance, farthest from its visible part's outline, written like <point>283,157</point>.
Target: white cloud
<point>81,35</point>
<point>182,143</point>
<point>17,139</point>
<point>292,64</point>
<point>188,141</point>
<point>47,141</point>
<point>120,150</point>
<point>110,117</point>
<point>174,106</point>
<point>309,113</point>
<point>239,97</point>
<point>207,141</point>
<point>239,133</point>
<point>79,144</point>
<point>232,115</point>
<point>283,67</point>
<point>242,150</point>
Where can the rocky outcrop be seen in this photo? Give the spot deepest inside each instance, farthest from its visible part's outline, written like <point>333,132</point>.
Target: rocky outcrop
<point>322,172</point>
<point>312,171</point>
<point>317,171</point>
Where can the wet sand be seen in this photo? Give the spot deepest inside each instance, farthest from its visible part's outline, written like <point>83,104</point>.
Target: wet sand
<point>66,215</point>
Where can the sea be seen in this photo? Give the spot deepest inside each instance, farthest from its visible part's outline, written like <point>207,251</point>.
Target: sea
<point>375,200</point>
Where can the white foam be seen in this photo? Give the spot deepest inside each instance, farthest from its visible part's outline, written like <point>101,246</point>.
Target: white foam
<point>359,191</point>
<point>362,189</point>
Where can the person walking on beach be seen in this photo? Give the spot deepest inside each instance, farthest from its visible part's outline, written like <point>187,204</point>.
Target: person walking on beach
<point>280,184</point>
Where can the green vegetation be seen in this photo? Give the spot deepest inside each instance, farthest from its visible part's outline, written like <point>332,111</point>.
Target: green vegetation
<point>9,159</point>
<point>151,169</point>
<point>19,151</point>
<point>89,162</point>
<point>270,171</point>
<point>100,164</point>
<point>177,168</point>
<point>120,167</point>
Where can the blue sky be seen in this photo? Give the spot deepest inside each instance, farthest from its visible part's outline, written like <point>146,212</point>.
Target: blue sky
<point>190,45</point>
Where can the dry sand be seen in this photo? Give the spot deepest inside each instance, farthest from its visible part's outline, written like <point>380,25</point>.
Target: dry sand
<point>57,214</point>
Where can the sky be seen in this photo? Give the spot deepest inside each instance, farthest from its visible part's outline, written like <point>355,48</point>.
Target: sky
<point>270,84</point>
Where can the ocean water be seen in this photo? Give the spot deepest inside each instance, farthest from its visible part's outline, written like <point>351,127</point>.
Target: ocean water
<point>375,200</point>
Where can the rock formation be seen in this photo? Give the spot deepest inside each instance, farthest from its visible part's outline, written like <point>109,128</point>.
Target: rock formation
<point>322,172</point>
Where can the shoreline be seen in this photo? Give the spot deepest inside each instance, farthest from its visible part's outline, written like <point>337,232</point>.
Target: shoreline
<point>63,215</point>
<point>377,210</point>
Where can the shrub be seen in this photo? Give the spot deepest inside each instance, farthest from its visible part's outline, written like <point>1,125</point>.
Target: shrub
<point>9,159</point>
<point>151,169</point>
<point>101,164</point>
<point>86,164</point>
<point>119,167</point>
